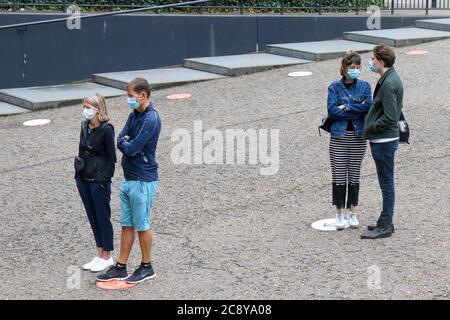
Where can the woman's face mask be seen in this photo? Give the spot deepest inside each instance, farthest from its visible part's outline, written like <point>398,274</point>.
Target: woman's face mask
<point>89,113</point>
<point>353,73</point>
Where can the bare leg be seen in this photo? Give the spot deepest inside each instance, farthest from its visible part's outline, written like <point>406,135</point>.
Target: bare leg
<point>146,241</point>
<point>106,255</point>
<point>126,244</point>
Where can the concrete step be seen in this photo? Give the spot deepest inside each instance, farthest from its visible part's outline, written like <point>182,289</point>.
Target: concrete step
<point>34,98</point>
<point>7,109</point>
<point>157,78</point>
<point>434,24</point>
<point>318,50</point>
<point>397,37</point>
<point>240,64</point>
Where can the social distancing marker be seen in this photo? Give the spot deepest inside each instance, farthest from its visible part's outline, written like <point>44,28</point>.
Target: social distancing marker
<point>300,74</point>
<point>179,96</point>
<point>327,225</point>
<point>114,285</point>
<point>416,52</point>
<point>36,122</point>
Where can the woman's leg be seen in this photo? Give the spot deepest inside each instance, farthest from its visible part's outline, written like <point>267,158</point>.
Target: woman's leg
<point>338,159</point>
<point>85,194</point>
<point>357,150</point>
<point>101,198</point>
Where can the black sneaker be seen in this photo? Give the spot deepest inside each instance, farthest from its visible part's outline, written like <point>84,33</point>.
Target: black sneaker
<point>378,233</point>
<point>113,273</point>
<point>370,228</point>
<point>141,274</point>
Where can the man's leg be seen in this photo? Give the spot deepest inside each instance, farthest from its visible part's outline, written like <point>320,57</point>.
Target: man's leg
<point>128,230</point>
<point>145,242</point>
<point>384,156</point>
<point>142,219</point>
<point>126,244</point>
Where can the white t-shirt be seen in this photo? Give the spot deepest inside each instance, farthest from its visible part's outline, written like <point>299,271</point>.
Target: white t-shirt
<point>383,140</point>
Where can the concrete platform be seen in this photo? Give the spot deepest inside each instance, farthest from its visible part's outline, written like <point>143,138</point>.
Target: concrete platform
<point>434,24</point>
<point>318,50</point>
<point>7,109</point>
<point>158,78</point>
<point>34,98</point>
<point>397,37</point>
<point>241,64</point>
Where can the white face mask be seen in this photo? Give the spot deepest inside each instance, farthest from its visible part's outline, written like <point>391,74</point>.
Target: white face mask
<point>88,114</point>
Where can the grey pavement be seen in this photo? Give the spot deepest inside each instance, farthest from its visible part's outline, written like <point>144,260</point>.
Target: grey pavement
<point>225,231</point>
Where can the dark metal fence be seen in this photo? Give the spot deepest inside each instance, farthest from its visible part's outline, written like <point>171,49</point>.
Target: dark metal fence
<point>231,6</point>
<point>213,6</point>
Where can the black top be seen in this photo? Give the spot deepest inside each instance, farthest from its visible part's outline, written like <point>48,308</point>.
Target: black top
<point>98,150</point>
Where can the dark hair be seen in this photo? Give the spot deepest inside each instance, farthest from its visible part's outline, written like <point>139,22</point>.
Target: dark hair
<point>385,53</point>
<point>349,58</point>
<point>140,85</point>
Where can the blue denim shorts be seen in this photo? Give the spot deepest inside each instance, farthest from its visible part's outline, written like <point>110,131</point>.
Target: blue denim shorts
<point>136,200</point>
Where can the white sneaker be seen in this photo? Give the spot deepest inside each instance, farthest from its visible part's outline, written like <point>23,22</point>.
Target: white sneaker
<point>89,265</point>
<point>353,221</point>
<point>340,222</point>
<point>102,264</point>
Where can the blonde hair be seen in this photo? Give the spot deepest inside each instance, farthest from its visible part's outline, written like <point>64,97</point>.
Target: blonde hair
<point>349,58</point>
<point>99,102</point>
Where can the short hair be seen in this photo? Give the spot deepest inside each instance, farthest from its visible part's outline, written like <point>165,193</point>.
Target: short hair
<point>99,102</point>
<point>384,53</point>
<point>348,59</point>
<point>140,85</point>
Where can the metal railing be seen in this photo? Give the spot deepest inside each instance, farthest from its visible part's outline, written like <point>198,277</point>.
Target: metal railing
<point>229,6</point>
<point>214,6</point>
<point>426,5</point>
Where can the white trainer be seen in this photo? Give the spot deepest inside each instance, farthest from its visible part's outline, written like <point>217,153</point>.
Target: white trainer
<point>89,265</point>
<point>353,221</point>
<point>102,264</point>
<point>340,221</point>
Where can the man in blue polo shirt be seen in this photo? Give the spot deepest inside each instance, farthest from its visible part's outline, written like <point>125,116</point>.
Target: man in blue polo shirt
<point>137,141</point>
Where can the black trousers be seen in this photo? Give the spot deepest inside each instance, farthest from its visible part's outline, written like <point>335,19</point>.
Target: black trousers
<point>346,155</point>
<point>96,200</point>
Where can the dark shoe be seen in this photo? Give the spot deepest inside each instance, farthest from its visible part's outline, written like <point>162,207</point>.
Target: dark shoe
<point>141,274</point>
<point>370,228</point>
<point>113,273</point>
<point>378,233</point>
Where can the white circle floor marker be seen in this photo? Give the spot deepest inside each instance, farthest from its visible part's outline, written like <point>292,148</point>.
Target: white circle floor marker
<point>327,225</point>
<point>36,122</point>
<point>300,74</point>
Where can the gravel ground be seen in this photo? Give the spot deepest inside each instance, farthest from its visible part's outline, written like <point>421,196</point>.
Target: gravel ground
<point>225,231</point>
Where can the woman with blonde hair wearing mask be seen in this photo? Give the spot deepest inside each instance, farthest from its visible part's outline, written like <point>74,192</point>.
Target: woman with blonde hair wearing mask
<point>94,168</point>
<point>349,99</point>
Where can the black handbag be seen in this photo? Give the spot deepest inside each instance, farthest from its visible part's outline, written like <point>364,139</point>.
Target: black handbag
<point>403,129</point>
<point>79,164</point>
<point>326,124</point>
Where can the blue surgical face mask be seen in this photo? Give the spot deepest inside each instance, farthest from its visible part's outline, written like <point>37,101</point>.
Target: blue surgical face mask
<point>354,73</point>
<point>133,103</point>
<point>372,67</point>
<point>88,114</point>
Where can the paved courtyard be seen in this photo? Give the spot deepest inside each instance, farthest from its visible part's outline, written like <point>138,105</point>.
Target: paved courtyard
<point>225,231</point>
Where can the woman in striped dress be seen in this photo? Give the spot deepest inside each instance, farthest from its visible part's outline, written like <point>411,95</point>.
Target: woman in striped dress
<point>349,99</point>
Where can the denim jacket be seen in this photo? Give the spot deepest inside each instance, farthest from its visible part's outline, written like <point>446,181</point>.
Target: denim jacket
<point>357,100</point>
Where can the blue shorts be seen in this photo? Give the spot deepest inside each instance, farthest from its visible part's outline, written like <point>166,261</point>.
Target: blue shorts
<point>136,199</point>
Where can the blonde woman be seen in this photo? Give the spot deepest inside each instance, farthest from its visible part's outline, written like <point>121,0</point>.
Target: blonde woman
<point>94,169</point>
